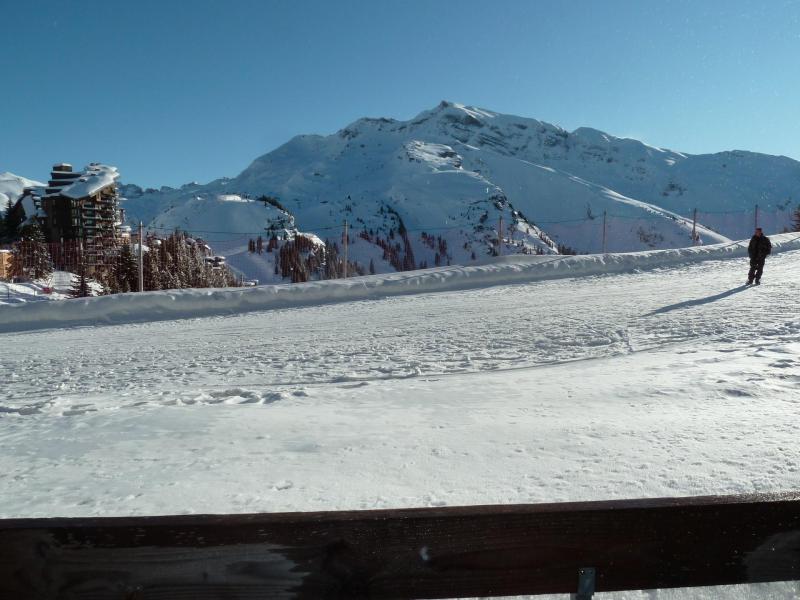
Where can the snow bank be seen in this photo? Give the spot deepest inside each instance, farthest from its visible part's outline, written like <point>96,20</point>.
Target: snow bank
<point>175,304</point>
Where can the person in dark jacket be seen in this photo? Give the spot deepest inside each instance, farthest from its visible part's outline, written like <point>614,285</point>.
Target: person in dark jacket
<point>759,248</point>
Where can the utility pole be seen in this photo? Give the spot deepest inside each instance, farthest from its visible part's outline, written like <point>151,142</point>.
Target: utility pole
<point>141,259</point>
<point>500,237</point>
<point>694,228</point>
<point>346,242</point>
<point>756,225</point>
<point>604,232</point>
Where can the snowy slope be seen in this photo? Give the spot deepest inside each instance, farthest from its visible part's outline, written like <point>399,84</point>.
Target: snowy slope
<point>454,171</point>
<point>220,213</point>
<point>724,187</point>
<point>211,217</point>
<point>668,381</point>
<point>11,187</point>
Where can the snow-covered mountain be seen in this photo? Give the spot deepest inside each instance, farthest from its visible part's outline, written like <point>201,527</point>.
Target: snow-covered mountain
<point>453,172</point>
<point>435,189</point>
<point>11,187</point>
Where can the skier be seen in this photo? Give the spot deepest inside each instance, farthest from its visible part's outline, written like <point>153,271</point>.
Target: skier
<point>759,248</point>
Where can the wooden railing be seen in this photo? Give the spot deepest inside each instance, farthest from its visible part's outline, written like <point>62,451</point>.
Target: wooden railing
<point>408,553</point>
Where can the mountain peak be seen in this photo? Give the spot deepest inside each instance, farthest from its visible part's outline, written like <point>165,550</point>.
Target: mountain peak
<point>454,112</point>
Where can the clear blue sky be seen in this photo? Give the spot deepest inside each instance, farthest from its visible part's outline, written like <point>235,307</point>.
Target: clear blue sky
<point>172,91</point>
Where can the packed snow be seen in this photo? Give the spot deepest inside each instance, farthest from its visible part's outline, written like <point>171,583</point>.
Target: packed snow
<point>667,377</point>
<point>55,287</point>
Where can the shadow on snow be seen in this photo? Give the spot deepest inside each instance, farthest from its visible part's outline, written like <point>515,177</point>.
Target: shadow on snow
<point>698,302</point>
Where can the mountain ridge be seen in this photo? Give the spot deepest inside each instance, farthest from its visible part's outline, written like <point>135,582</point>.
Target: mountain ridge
<point>457,172</point>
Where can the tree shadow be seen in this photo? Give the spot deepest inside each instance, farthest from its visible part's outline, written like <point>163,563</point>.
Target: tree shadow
<point>698,302</point>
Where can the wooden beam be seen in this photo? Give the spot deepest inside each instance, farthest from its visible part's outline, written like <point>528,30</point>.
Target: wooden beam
<point>408,553</point>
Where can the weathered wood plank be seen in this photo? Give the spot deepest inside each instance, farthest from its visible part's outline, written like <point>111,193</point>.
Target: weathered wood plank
<point>410,553</point>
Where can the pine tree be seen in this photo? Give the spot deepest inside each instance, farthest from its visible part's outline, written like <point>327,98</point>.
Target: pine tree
<point>3,217</point>
<point>126,270</point>
<point>80,286</point>
<point>108,281</point>
<point>199,269</point>
<point>17,270</point>
<point>152,277</point>
<point>10,223</point>
<point>796,219</point>
<point>33,255</point>
<point>184,256</point>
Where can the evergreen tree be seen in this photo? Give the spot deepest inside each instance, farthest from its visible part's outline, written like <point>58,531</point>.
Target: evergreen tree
<point>14,221</point>
<point>4,235</point>
<point>32,255</point>
<point>126,270</point>
<point>152,277</point>
<point>17,270</point>
<point>80,286</point>
<point>796,219</point>
<point>173,263</point>
<point>198,268</point>
<point>107,280</point>
<point>183,261</point>
<point>10,223</point>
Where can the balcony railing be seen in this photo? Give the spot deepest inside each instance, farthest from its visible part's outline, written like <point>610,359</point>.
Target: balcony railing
<point>571,548</point>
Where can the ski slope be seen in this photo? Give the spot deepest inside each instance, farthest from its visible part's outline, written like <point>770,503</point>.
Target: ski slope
<point>670,381</point>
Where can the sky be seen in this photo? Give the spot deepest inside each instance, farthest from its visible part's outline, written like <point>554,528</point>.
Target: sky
<point>172,91</point>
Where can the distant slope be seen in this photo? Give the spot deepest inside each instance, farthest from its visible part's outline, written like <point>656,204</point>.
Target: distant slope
<point>11,187</point>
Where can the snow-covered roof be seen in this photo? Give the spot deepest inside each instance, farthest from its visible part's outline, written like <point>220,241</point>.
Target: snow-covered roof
<point>94,178</point>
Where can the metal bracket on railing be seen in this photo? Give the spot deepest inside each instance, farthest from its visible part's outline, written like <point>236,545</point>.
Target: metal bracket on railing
<point>586,576</point>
